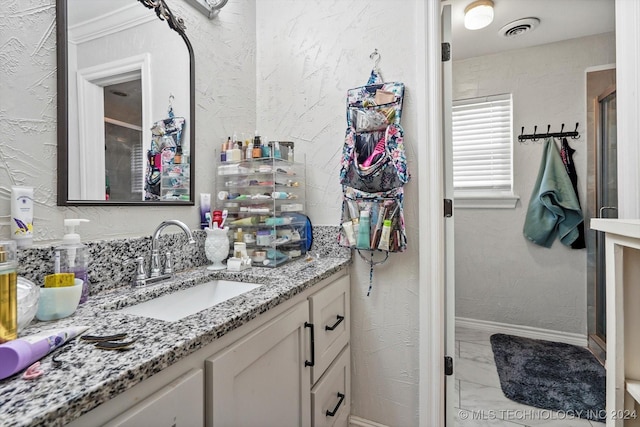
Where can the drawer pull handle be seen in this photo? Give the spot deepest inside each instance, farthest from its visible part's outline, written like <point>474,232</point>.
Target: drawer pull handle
<point>332,413</point>
<point>335,325</point>
<point>313,345</point>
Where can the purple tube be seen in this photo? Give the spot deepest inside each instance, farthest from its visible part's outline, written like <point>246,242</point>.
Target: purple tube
<point>18,354</point>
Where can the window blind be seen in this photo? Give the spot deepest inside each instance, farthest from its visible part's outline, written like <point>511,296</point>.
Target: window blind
<point>482,147</point>
<point>137,166</point>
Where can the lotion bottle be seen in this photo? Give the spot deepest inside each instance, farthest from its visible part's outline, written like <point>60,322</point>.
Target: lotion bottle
<point>265,149</point>
<point>72,256</point>
<point>364,231</point>
<point>348,233</point>
<point>257,151</point>
<point>248,149</point>
<point>384,237</point>
<point>22,216</point>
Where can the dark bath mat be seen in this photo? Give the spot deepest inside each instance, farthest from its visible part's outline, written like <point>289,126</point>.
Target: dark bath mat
<point>550,375</point>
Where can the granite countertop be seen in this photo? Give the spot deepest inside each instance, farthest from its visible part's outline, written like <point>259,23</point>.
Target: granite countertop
<point>89,377</point>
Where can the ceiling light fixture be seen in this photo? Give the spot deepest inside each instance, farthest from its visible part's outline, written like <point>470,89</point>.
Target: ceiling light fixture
<point>478,14</point>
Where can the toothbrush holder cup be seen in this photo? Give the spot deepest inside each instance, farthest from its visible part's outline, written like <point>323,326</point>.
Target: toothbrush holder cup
<point>216,247</point>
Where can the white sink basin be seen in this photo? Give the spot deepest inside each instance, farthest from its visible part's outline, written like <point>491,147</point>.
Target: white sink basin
<point>183,303</point>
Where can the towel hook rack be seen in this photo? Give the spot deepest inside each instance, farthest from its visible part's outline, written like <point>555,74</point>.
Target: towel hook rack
<point>535,136</point>
<point>577,135</point>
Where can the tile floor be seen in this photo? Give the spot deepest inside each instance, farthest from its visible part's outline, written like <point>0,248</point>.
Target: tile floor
<point>479,400</point>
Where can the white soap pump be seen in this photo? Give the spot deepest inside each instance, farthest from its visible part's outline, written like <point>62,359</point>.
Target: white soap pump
<point>71,237</point>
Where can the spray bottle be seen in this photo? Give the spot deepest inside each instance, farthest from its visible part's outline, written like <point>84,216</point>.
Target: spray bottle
<point>72,256</point>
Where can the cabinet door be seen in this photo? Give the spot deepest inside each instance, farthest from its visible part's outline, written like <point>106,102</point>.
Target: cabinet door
<point>330,316</point>
<point>180,403</point>
<point>330,397</point>
<point>262,380</point>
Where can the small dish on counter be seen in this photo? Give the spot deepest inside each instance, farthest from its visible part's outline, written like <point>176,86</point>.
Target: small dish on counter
<point>259,256</point>
<point>57,303</point>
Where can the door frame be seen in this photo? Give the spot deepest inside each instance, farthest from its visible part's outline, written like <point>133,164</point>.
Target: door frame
<point>429,158</point>
<point>594,86</point>
<point>628,125</point>
<point>431,220</point>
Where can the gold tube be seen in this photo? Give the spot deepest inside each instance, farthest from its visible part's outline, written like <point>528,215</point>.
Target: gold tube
<point>8,292</point>
<point>8,305</point>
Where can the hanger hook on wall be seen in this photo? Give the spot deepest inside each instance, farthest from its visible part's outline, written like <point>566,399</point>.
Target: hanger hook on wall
<point>375,56</point>
<point>170,108</point>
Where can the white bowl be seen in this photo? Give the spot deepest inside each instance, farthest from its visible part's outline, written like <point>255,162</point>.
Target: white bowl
<point>56,303</point>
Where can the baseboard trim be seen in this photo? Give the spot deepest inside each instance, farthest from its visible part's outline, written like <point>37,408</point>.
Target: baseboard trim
<point>522,331</point>
<point>361,422</point>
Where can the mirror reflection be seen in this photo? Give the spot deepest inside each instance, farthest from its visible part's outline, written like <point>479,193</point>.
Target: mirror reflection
<point>128,106</point>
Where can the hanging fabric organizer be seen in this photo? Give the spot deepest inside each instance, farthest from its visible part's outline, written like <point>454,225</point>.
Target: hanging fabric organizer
<point>166,141</point>
<point>374,170</point>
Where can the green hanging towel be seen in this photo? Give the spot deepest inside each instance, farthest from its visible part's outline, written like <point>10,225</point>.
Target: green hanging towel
<point>554,209</point>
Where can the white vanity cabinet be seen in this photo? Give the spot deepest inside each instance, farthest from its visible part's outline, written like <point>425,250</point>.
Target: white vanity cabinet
<point>292,371</point>
<point>622,243</point>
<point>267,372</point>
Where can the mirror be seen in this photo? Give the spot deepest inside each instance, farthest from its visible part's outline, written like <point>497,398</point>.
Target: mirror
<point>126,133</point>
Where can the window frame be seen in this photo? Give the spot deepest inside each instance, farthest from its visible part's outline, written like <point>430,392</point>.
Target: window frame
<point>498,198</point>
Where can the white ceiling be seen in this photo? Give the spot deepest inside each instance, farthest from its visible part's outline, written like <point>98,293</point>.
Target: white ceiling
<point>81,10</point>
<point>559,20</point>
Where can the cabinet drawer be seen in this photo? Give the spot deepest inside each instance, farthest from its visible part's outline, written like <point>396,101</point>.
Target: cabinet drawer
<point>331,397</point>
<point>180,403</point>
<point>330,316</point>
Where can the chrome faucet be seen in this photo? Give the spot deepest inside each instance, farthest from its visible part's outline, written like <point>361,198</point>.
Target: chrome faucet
<point>155,274</point>
<point>155,256</point>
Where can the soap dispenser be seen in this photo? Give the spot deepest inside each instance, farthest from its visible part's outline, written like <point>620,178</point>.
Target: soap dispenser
<point>72,256</point>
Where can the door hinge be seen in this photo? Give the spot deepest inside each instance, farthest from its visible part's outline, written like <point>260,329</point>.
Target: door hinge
<point>448,208</point>
<point>448,365</point>
<point>446,51</point>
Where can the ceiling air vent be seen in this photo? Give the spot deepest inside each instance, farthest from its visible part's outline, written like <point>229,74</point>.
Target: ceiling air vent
<point>519,27</point>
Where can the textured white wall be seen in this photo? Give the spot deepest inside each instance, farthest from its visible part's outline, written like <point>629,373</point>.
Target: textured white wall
<point>225,93</point>
<point>309,54</point>
<point>500,276</point>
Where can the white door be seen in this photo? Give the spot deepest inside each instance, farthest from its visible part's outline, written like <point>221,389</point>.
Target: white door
<point>447,167</point>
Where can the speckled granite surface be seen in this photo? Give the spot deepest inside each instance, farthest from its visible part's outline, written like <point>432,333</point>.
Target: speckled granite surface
<point>111,263</point>
<point>90,376</point>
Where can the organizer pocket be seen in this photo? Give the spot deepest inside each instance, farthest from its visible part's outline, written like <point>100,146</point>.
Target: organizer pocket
<point>367,119</point>
<point>380,207</point>
<point>374,107</point>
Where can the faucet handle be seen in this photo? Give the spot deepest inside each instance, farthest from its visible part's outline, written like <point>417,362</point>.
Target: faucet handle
<point>168,264</point>
<point>141,274</point>
<point>155,264</point>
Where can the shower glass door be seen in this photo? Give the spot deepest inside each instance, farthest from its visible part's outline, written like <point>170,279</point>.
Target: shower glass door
<point>607,194</point>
